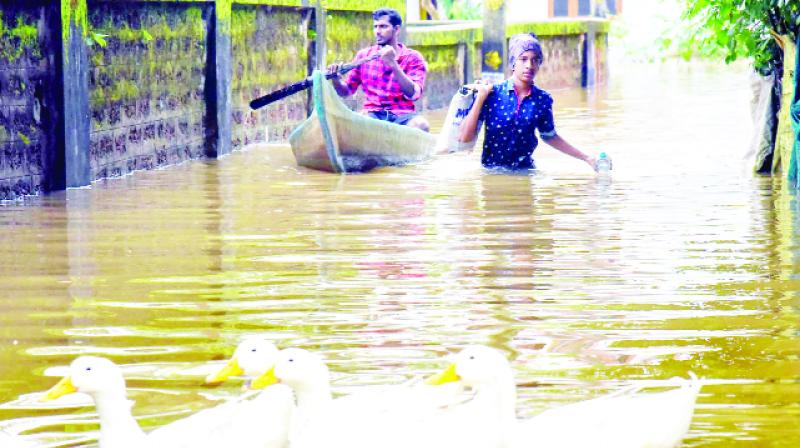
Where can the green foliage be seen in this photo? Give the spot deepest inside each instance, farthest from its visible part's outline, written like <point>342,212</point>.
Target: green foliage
<point>74,12</point>
<point>97,38</point>
<point>25,139</point>
<point>462,9</point>
<point>440,59</point>
<point>740,28</point>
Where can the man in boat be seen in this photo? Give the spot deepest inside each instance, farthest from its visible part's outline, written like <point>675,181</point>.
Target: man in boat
<point>513,110</point>
<point>391,82</point>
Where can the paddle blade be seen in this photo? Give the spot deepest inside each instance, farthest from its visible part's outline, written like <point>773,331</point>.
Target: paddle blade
<point>291,89</point>
<point>280,94</point>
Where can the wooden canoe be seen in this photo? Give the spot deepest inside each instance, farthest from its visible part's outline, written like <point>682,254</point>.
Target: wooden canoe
<point>336,139</point>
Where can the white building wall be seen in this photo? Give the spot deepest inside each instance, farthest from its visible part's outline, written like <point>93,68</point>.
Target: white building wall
<point>412,11</point>
<point>525,10</point>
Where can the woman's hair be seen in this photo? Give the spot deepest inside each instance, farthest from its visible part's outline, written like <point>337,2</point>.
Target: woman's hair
<point>520,43</point>
<point>392,14</point>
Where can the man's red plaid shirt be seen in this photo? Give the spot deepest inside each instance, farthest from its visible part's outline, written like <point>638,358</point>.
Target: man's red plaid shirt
<point>381,89</point>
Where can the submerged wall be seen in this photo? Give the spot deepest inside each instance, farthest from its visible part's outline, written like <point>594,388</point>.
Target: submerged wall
<point>452,52</point>
<point>269,50</point>
<point>91,89</point>
<point>146,86</point>
<point>27,73</point>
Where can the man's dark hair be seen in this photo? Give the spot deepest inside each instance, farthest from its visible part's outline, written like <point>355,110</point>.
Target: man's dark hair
<point>392,14</point>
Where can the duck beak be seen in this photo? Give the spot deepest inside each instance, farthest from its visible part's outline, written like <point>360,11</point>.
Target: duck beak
<point>232,368</point>
<point>64,387</point>
<point>447,375</point>
<point>267,379</point>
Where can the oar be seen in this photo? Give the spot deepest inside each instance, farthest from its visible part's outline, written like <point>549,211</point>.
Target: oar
<point>291,89</point>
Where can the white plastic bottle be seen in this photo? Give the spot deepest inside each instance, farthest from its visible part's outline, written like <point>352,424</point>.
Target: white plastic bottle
<point>603,164</point>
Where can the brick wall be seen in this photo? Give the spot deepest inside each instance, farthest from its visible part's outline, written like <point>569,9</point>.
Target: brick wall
<point>445,74</point>
<point>26,79</point>
<point>563,61</point>
<point>146,86</point>
<point>269,46</point>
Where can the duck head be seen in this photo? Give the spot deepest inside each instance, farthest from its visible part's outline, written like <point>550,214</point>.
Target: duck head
<point>252,357</point>
<point>91,375</point>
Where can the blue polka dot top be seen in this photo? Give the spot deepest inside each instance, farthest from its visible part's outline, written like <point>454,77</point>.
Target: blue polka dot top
<point>510,138</point>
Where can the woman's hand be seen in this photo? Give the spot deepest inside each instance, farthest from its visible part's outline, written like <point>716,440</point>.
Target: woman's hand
<point>482,88</point>
<point>469,127</point>
<point>592,161</point>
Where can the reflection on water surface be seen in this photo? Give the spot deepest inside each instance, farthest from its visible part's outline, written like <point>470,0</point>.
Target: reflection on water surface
<point>682,261</point>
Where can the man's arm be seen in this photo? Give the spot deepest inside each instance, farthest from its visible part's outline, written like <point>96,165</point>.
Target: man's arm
<point>411,89</point>
<point>340,86</point>
<point>348,86</point>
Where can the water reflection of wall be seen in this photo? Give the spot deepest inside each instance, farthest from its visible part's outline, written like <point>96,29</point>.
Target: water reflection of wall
<point>35,291</point>
<point>134,264</point>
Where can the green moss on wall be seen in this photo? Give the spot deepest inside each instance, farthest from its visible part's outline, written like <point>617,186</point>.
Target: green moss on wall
<point>558,27</point>
<point>123,90</point>
<point>445,35</point>
<point>286,3</point>
<point>14,40</point>
<point>364,5</point>
<point>346,33</point>
<point>243,24</point>
<point>268,47</point>
<point>148,49</point>
<point>74,12</point>
<point>223,10</point>
<point>441,59</point>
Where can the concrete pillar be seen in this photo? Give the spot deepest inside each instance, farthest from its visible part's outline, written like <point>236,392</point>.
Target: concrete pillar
<point>589,60</point>
<point>464,56</point>
<point>494,41</point>
<point>219,71</point>
<point>69,166</point>
<point>784,137</point>
<point>314,20</point>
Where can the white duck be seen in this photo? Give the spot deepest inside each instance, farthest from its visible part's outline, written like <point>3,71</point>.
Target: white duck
<point>241,421</point>
<point>490,413</point>
<point>10,441</point>
<point>103,381</point>
<point>654,420</point>
<point>387,419</point>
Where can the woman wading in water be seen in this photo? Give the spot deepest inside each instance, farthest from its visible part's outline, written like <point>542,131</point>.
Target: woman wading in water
<point>513,109</point>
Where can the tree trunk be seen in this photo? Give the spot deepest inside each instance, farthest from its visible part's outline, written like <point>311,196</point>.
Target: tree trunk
<point>784,140</point>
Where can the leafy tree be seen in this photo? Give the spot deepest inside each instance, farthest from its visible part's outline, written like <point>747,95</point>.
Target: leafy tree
<point>741,28</point>
<point>462,9</point>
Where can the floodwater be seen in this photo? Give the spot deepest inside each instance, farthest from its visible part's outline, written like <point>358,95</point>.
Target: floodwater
<point>681,261</point>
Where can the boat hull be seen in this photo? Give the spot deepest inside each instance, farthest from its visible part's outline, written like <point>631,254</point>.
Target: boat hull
<point>336,139</point>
